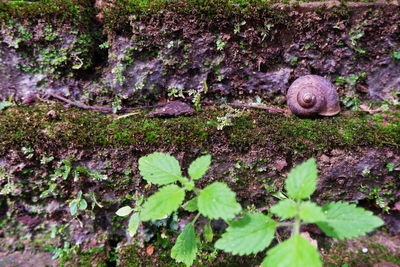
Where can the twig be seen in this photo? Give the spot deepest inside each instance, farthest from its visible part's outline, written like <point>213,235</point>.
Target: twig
<point>72,103</point>
<point>127,115</point>
<point>103,109</point>
<point>109,109</point>
<point>270,109</point>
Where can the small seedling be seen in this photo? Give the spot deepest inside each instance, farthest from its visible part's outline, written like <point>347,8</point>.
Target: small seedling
<point>6,103</point>
<point>220,44</point>
<point>215,201</point>
<point>28,152</point>
<point>254,233</point>
<point>77,203</point>
<point>134,220</point>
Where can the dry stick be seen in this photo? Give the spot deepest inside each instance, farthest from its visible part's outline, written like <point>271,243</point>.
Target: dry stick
<point>270,109</point>
<point>72,103</point>
<point>108,109</point>
<point>127,115</point>
<point>97,108</point>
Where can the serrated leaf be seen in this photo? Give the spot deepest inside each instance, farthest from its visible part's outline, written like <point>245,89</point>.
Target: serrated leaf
<point>311,212</point>
<point>185,247</point>
<point>285,209</point>
<point>344,220</point>
<point>191,205</point>
<point>133,225</point>
<point>250,234</point>
<point>302,180</point>
<point>208,233</point>
<point>218,201</point>
<point>199,167</point>
<point>160,168</point>
<point>294,252</point>
<point>163,203</point>
<point>124,211</point>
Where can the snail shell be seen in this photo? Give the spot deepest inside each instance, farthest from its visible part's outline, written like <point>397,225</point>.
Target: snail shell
<point>313,95</point>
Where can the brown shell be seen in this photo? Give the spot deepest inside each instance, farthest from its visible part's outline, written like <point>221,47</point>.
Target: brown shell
<point>313,95</point>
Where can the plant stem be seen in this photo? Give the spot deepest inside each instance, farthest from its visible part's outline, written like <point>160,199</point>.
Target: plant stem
<point>296,227</point>
<point>279,224</point>
<point>195,218</point>
<point>196,191</point>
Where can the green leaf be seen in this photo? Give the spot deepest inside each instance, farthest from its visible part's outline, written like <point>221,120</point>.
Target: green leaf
<point>67,170</point>
<point>218,201</point>
<point>124,211</point>
<point>160,168</point>
<point>73,207</point>
<point>302,180</point>
<point>285,209</point>
<point>133,225</point>
<point>344,220</point>
<point>82,204</point>
<point>5,104</point>
<point>208,233</point>
<point>163,203</point>
<point>250,234</point>
<point>199,167</point>
<point>311,212</point>
<point>185,248</point>
<point>294,252</point>
<point>191,205</point>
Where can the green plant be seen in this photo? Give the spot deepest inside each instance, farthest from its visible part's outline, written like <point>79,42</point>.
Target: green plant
<point>348,82</point>
<point>355,35</point>
<point>254,233</point>
<point>44,160</point>
<point>28,152</point>
<point>176,92</point>
<point>390,167</point>
<point>237,26</point>
<point>380,200</point>
<point>226,120</point>
<point>77,204</point>
<point>119,76</point>
<point>63,171</point>
<point>220,44</point>
<point>62,253</point>
<point>215,201</point>
<point>196,98</point>
<point>134,219</point>
<point>294,61</point>
<point>6,103</point>
<point>396,55</point>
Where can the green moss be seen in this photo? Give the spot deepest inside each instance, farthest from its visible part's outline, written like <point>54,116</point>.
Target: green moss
<point>117,16</point>
<point>75,10</point>
<point>338,254</point>
<point>134,255</point>
<point>30,127</point>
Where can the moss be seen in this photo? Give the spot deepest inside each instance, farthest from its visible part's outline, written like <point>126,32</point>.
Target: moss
<point>134,255</point>
<point>338,254</point>
<point>117,15</point>
<point>310,135</point>
<point>75,10</point>
<point>31,127</point>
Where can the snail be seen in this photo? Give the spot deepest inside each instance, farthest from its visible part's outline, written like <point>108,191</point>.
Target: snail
<point>312,95</point>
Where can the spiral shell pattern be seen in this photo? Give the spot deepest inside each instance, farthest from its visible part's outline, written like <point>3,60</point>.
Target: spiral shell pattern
<point>313,95</point>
